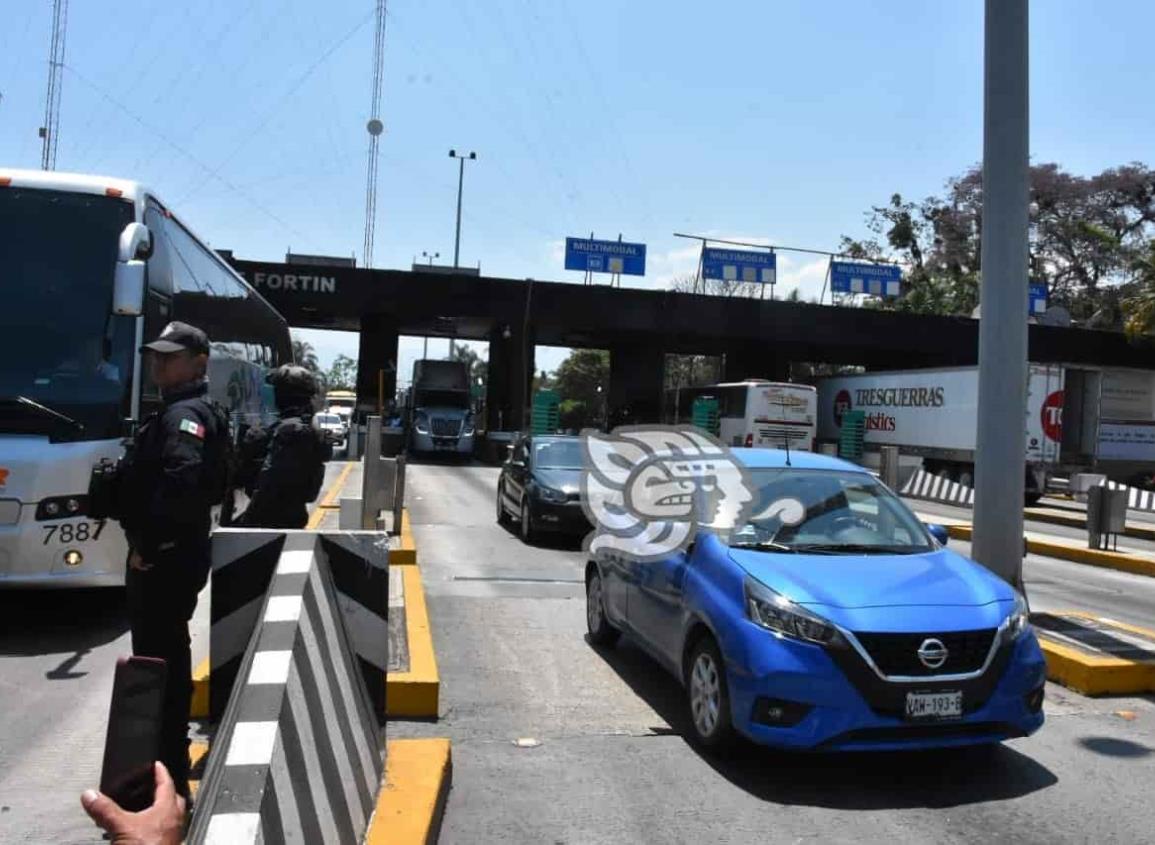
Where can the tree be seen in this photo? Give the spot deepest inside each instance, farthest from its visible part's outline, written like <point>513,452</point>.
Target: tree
<point>689,283</point>
<point>1090,236</point>
<point>582,382</point>
<point>1139,308</point>
<point>692,370</point>
<point>305,356</point>
<point>478,369</point>
<point>343,374</point>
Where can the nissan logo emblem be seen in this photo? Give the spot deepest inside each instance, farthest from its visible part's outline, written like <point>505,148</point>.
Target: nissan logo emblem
<point>932,653</point>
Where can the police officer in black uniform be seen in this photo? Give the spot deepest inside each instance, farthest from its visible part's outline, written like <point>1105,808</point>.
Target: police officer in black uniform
<point>172,476</point>
<point>283,466</point>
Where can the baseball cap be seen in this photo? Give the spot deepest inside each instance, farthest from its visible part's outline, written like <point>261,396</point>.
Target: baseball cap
<point>179,337</point>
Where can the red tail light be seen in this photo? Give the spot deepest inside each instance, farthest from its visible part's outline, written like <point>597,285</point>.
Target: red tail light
<point>749,439</point>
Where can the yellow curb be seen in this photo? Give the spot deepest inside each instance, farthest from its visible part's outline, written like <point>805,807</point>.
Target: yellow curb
<point>199,706</point>
<point>415,693</point>
<point>329,502</point>
<point>411,802</point>
<point>196,752</point>
<point>1064,551</point>
<point>1072,520</point>
<point>405,552</point>
<point>1093,675</point>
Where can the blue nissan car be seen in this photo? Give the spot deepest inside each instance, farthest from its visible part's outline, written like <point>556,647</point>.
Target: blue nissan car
<point>831,620</point>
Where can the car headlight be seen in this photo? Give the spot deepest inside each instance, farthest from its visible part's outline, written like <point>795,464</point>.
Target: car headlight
<point>776,613</point>
<point>548,494</point>
<point>1019,622</point>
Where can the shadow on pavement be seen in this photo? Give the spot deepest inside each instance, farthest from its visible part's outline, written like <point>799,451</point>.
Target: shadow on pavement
<point>847,781</point>
<point>1112,747</point>
<point>61,621</point>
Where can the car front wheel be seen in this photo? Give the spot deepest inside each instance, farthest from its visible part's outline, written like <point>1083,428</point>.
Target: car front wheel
<point>708,695</point>
<point>502,516</point>
<point>527,531</point>
<point>601,632</point>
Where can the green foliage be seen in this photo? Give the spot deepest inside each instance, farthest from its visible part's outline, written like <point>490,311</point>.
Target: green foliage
<point>305,355</point>
<point>1091,234</point>
<point>343,374</point>
<point>577,381</point>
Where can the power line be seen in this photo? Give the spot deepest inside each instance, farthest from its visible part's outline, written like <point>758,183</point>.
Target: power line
<point>375,128</point>
<point>51,128</point>
<point>167,140</point>
<point>256,131</point>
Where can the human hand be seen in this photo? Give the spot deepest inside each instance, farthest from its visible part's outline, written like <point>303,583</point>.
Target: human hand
<point>160,824</point>
<point>135,561</point>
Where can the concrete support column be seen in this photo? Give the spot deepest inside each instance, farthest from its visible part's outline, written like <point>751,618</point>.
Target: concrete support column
<point>636,383</point>
<point>376,362</point>
<point>510,374</point>
<point>754,361</point>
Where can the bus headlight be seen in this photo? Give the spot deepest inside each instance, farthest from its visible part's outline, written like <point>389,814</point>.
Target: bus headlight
<point>73,558</point>
<point>59,507</point>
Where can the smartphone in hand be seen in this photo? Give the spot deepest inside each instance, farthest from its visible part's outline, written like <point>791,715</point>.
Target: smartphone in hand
<point>132,744</point>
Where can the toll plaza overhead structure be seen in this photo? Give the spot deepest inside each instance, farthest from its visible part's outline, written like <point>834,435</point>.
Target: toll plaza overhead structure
<point>759,339</point>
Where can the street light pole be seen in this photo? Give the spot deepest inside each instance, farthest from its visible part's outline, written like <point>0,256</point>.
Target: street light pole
<point>460,183</point>
<point>999,458</point>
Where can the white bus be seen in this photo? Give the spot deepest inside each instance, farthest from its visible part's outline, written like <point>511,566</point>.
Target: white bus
<point>90,267</point>
<point>758,413</point>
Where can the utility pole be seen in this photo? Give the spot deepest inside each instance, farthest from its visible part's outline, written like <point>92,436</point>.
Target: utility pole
<point>51,128</point>
<point>460,182</point>
<point>375,127</point>
<point>999,459</point>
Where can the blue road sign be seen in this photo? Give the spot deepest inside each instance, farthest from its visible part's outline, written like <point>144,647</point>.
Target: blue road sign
<point>605,257</point>
<point>874,279</point>
<point>1038,298</point>
<point>732,265</point>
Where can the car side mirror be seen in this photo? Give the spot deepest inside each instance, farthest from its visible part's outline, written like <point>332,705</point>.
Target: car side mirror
<point>939,532</point>
<point>128,288</point>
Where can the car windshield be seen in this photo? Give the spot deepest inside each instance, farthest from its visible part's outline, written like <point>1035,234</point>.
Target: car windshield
<point>61,348</point>
<point>827,512</point>
<point>328,419</point>
<point>558,454</point>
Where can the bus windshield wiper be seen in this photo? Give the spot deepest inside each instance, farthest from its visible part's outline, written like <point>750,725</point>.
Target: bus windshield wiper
<point>25,404</point>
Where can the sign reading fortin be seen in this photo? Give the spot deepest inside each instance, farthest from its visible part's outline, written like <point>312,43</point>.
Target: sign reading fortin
<point>735,265</point>
<point>589,256</point>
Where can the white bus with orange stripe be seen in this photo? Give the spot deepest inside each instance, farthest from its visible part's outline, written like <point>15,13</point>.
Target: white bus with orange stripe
<point>91,266</point>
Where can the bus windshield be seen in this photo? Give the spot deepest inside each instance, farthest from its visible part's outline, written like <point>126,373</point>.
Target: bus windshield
<point>65,361</point>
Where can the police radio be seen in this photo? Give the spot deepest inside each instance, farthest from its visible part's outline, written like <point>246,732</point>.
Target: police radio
<point>105,485</point>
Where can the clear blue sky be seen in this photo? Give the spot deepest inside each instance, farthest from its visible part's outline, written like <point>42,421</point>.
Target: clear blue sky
<point>758,119</point>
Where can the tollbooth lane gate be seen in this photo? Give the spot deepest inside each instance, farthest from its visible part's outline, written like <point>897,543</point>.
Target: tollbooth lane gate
<point>758,338</point>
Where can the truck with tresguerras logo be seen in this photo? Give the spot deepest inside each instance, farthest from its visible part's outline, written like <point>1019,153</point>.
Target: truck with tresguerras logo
<point>1078,418</point>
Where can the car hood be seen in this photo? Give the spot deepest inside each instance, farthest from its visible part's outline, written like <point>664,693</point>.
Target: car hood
<point>939,578</point>
<point>566,480</point>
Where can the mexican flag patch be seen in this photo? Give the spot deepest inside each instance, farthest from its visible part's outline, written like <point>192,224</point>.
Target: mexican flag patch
<point>193,427</point>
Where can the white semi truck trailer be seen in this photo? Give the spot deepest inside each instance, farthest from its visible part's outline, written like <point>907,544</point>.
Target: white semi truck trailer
<point>1077,419</point>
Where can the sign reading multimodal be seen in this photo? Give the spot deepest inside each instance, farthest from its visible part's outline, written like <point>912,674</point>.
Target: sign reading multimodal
<point>732,265</point>
<point>873,279</point>
<point>616,257</point>
<point>1038,295</point>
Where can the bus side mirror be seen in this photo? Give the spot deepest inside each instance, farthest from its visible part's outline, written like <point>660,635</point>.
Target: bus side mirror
<point>135,243</point>
<point>128,289</point>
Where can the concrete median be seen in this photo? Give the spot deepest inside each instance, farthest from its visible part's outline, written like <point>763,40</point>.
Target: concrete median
<point>1096,655</point>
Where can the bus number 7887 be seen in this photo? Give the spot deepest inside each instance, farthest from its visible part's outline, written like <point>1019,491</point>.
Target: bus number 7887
<point>73,532</point>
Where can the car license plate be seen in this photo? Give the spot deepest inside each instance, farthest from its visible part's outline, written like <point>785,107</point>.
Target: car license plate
<point>933,705</point>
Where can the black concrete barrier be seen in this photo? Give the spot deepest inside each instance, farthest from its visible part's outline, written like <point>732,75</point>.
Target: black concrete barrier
<point>297,755</point>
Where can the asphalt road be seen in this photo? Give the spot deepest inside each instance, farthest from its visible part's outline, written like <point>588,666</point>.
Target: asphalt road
<point>58,652</point>
<point>1062,585</point>
<point>603,759</point>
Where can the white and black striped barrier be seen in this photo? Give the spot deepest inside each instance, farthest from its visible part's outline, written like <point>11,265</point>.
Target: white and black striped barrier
<point>298,756</point>
<point>244,563</point>
<point>923,485</point>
